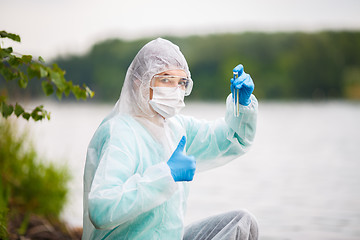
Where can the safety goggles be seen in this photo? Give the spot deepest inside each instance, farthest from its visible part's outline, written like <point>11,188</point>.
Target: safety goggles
<point>183,83</point>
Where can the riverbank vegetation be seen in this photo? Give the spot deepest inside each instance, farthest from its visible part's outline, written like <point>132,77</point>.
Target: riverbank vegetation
<point>32,191</point>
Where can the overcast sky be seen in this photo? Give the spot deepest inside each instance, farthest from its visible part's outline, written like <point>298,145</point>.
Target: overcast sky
<point>50,28</point>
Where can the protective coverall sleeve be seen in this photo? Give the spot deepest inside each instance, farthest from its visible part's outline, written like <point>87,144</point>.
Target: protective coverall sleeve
<point>216,143</point>
<point>118,193</point>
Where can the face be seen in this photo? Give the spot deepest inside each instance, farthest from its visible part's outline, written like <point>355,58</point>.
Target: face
<point>161,81</point>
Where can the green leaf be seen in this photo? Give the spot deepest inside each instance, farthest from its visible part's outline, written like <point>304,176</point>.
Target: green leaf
<point>14,61</point>
<point>47,88</point>
<point>26,115</point>
<point>67,90</point>
<point>9,73</point>
<point>33,71</point>
<point>41,59</point>
<point>38,113</point>
<point>8,50</point>
<point>12,36</point>
<point>59,94</point>
<point>58,79</point>
<point>6,110</point>
<point>3,54</point>
<point>56,68</point>
<point>26,59</point>
<point>76,91</point>
<point>23,81</point>
<point>18,110</point>
<point>43,71</point>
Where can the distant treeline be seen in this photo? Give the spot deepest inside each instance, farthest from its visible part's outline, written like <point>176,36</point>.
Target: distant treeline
<point>321,65</point>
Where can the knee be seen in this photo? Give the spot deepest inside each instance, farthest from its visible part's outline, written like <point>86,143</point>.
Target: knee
<point>247,220</point>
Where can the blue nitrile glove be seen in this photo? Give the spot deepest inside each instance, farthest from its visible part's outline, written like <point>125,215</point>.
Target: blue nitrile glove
<point>182,166</point>
<point>245,85</point>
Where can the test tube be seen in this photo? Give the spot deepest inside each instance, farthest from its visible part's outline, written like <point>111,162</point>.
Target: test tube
<point>236,97</point>
<point>237,104</point>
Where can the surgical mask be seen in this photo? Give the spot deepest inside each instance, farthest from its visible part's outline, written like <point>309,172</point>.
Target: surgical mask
<point>167,101</point>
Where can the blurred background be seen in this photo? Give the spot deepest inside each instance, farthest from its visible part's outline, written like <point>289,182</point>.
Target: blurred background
<point>300,179</point>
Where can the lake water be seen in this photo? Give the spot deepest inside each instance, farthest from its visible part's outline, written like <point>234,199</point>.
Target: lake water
<point>301,179</point>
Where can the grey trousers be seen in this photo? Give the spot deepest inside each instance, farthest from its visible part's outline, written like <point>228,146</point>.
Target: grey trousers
<point>239,225</point>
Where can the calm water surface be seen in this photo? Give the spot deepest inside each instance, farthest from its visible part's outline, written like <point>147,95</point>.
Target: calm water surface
<point>301,178</point>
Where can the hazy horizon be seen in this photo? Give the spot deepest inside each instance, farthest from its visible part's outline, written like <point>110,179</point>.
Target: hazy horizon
<point>65,27</point>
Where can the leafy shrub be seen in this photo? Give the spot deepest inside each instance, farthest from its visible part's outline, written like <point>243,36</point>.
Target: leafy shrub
<point>27,184</point>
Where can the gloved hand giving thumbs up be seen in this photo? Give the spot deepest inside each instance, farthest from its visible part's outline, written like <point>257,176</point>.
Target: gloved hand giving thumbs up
<point>244,84</point>
<point>182,166</point>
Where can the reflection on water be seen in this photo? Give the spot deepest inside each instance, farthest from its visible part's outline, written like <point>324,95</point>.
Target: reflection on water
<point>301,178</point>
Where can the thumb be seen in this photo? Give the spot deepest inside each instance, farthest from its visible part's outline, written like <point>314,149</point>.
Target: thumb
<point>239,69</point>
<point>181,144</point>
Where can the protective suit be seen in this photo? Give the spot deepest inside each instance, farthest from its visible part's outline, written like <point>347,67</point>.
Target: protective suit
<point>129,192</point>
